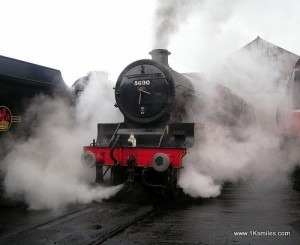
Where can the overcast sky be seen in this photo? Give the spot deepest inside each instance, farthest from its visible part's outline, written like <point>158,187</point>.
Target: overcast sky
<point>83,35</point>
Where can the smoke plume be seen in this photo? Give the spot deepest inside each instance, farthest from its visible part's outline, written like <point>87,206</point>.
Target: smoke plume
<point>168,17</point>
<point>197,30</point>
<point>45,170</point>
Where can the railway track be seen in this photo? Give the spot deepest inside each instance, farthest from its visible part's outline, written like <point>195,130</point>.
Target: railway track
<point>88,224</point>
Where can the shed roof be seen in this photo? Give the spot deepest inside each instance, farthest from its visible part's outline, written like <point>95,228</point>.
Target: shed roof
<point>260,44</point>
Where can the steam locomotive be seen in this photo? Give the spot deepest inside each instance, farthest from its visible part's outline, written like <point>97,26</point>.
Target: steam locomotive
<point>158,129</point>
<point>20,81</point>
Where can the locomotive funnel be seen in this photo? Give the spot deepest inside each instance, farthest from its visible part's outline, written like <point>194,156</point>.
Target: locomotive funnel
<point>160,56</point>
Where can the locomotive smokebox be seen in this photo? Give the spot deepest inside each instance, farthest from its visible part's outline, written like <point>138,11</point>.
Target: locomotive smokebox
<point>160,56</point>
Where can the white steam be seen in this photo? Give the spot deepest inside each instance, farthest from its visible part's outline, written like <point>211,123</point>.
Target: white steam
<point>258,155</point>
<point>45,170</point>
<point>221,158</point>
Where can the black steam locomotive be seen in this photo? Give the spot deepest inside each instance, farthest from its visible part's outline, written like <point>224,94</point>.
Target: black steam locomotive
<point>158,126</point>
<point>20,81</point>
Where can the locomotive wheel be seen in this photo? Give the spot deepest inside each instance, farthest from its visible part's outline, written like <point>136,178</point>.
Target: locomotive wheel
<point>117,175</point>
<point>173,175</point>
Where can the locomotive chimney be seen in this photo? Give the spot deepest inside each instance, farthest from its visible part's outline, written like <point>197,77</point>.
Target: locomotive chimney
<point>160,56</point>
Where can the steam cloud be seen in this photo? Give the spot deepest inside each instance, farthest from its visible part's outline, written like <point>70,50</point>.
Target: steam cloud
<point>45,170</point>
<point>257,154</point>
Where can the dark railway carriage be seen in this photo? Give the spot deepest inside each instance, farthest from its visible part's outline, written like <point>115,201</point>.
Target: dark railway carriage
<point>158,126</point>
